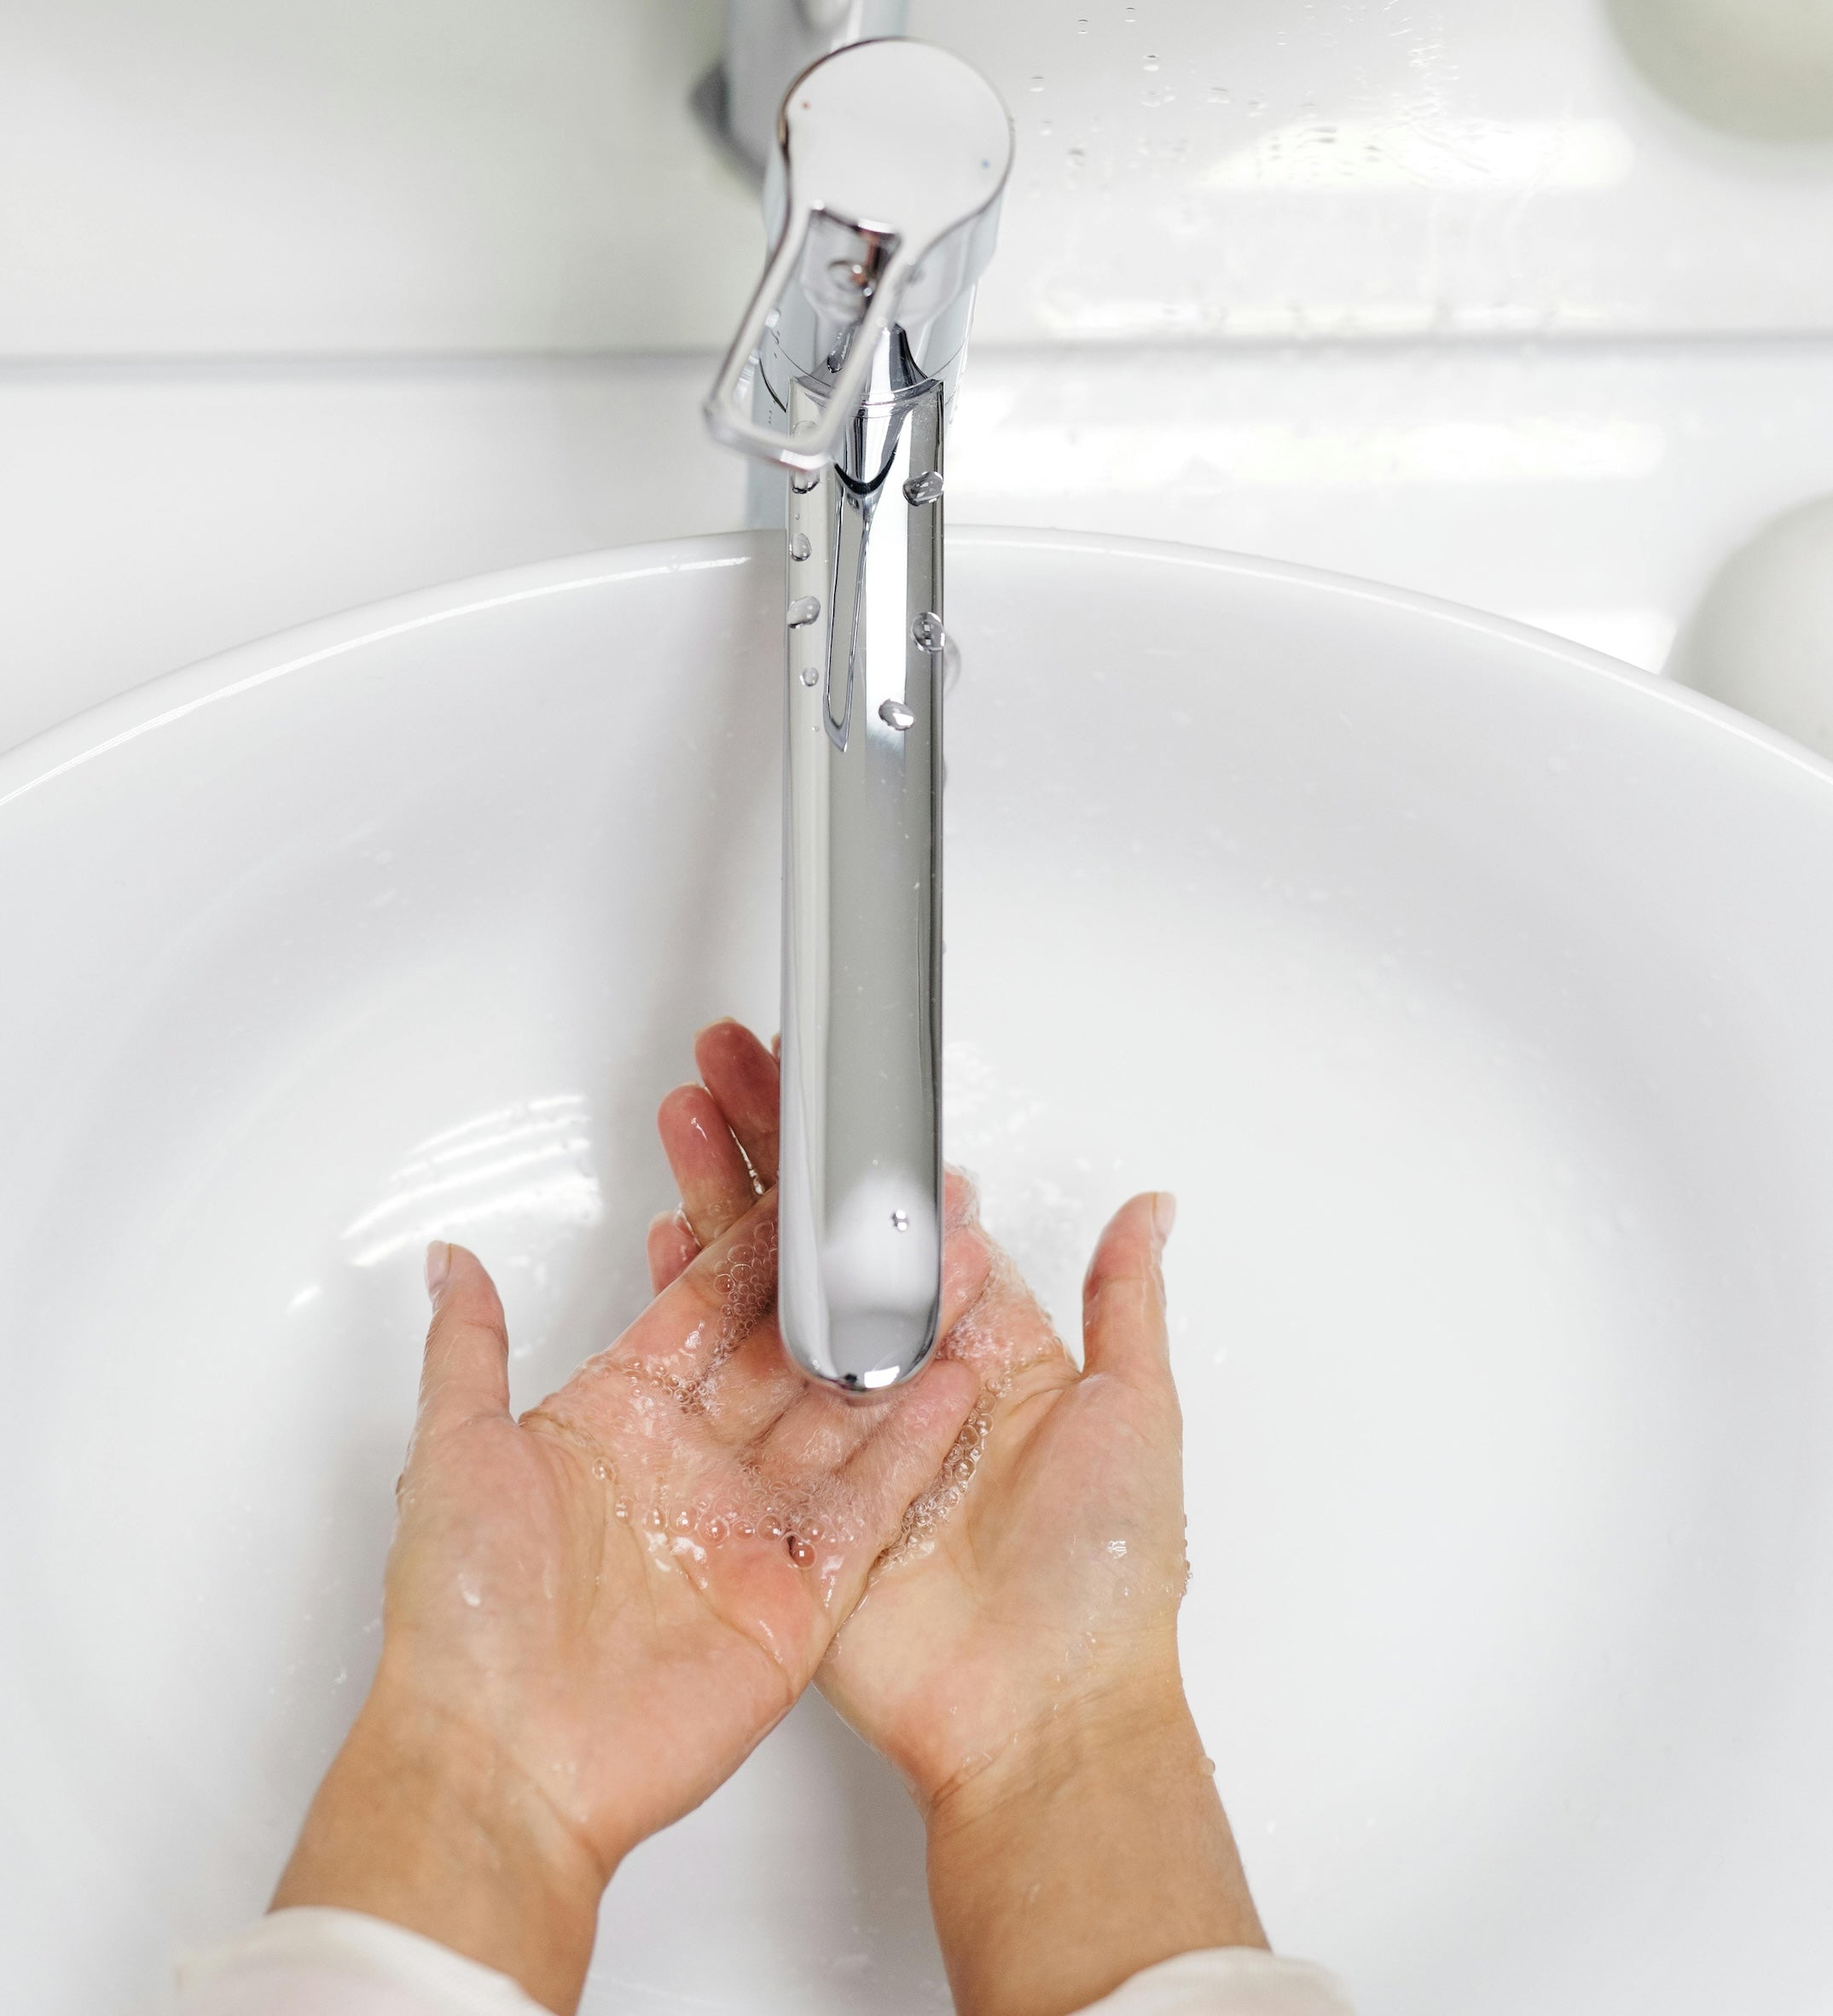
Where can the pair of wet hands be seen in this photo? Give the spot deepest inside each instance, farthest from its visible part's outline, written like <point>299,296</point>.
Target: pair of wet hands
<point>594,1613</point>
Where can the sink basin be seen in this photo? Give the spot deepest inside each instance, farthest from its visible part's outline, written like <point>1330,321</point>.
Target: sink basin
<point>1474,993</point>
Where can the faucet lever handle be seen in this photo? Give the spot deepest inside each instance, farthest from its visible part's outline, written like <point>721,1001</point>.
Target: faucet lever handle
<point>876,281</point>
<point>891,158</point>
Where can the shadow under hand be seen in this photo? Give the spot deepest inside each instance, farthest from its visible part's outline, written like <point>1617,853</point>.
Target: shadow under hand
<point>897,1962</point>
<point>798,1888</point>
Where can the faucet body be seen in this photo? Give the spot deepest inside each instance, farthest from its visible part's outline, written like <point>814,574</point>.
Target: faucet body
<point>883,202</point>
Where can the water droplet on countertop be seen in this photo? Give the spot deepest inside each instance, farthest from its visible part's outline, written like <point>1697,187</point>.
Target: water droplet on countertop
<point>804,610</point>
<point>1152,62</point>
<point>895,714</point>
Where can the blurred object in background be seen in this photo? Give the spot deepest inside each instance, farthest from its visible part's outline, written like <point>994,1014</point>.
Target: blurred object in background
<point>1762,639</point>
<point>1760,68</point>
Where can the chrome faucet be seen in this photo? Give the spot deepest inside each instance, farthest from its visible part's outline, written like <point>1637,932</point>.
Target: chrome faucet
<point>882,199</point>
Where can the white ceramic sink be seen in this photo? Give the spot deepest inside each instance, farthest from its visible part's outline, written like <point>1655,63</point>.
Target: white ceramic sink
<point>1475,995</point>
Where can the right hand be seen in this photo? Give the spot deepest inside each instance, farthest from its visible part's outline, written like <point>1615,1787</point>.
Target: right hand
<point>593,1613</point>
<point>1020,1644</point>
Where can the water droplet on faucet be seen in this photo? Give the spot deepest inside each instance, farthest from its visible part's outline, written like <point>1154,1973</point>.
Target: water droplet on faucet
<point>923,488</point>
<point>803,480</point>
<point>799,547</point>
<point>928,631</point>
<point>900,1220</point>
<point>851,275</point>
<point>895,714</point>
<point>804,610</point>
<point>810,674</point>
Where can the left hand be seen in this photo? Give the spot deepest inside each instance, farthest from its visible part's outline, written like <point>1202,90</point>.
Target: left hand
<point>594,1613</point>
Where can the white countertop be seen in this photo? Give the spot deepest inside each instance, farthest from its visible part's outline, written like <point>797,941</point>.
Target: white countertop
<point>152,514</point>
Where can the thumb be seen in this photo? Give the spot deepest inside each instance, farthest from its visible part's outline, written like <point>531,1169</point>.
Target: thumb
<point>1123,1293</point>
<point>466,1371</point>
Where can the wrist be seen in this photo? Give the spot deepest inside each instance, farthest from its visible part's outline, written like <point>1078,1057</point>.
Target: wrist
<point>1091,1735</point>
<point>424,1822</point>
<point>1092,1847</point>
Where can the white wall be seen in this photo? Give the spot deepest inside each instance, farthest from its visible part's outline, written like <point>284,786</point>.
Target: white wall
<point>226,176</point>
<point>280,176</point>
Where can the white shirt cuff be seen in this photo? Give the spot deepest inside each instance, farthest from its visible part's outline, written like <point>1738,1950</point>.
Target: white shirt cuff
<point>314,1962</point>
<point>1228,1981</point>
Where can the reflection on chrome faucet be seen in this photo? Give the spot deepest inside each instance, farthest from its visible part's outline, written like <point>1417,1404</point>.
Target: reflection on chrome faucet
<point>768,45</point>
<point>883,202</point>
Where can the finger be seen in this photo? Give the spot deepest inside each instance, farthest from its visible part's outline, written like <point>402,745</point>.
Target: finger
<point>899,1460</point>
<point>710,1172</point>
<point>465,1374</point>
<point>750,1389</point>
<point>671,1247</point>
<point>961,1199</point>
<point>1123,1294</point>
<point>748,1400</point>
<point>744,1078</point>
<point>725,1292</point>
<point>1006,1331</point>
<point>776,1048</point>
<point>909,1441</point>
<point>820,1429</point>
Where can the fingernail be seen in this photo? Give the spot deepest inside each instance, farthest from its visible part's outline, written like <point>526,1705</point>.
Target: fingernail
<point>438,1265</point>
<point>1164,1214</point>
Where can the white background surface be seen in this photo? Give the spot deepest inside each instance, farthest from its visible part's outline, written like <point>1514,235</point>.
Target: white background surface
<point>285,292</point>
<point>406,176</point>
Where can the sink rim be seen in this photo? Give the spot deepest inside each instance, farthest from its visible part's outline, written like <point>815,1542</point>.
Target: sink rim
<point>170,697</point>
<point>1361,640</point>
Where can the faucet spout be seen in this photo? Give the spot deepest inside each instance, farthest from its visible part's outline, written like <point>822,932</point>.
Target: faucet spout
<point>893,157</point>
